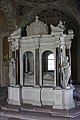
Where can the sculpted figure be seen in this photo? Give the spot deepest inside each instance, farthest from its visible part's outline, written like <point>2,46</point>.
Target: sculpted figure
<point>66,70</point>
<point>12,72</point>
<point>57,29</point>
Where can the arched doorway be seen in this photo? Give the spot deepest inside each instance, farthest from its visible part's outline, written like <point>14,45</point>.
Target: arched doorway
<point>48,68</point>
<point>28,68</point>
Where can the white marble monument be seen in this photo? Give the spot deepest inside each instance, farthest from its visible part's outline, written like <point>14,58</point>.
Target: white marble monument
<point>31,56</point>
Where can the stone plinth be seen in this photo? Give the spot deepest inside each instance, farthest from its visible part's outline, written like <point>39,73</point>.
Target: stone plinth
<point>37,96</point>
<point>31,95</point>
<point>58,99</point>
<point>47,96</point>
<point>63,99</point>
<point>14,95</point>
<point>10,95</point>
<point>68,99</point>
<point>27,95</point>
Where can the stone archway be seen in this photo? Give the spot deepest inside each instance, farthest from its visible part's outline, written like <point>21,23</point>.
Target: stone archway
<point>48,66</point>
<point>28,68</point>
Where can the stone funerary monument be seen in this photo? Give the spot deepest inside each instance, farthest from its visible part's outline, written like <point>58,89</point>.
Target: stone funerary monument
<point>40,66</point>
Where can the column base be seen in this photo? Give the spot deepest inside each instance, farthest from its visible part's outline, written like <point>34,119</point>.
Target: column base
<point>63,99</point>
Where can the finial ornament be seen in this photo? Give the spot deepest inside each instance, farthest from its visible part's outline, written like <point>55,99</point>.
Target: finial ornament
<point>58,29</point>
<point>60,25</point>
<point>36,19</point>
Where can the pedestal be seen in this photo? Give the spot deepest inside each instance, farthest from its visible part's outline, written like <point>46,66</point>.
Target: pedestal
<point>37,96</point>
<point>68,101</point>
<point>58,99</point>
<point>10,95</point>
<point>27,95</point>
<point>14,95</point>
<point>47,96</point>
<point>63,99</point>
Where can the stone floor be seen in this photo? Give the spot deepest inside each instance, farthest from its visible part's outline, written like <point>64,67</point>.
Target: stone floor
<point>29,112</point>
<point>44,118</point>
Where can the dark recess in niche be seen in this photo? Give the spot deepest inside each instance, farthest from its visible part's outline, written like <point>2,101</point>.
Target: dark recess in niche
<point>23,31</point>
<point>49,29</point>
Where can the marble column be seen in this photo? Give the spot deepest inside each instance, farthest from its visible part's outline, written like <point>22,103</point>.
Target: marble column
<point>37,89</point>
<point>17,68</point>
<point>21,68</point>
<point>57,66</point>
<point>37,69</point>
<point>26,63</point>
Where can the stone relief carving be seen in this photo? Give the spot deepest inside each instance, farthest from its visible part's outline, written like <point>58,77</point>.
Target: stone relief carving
<point>59,29</point>
<point>17,32</point>
<point>37,28</point>
<point>29,78</point>
<point>48,79</point>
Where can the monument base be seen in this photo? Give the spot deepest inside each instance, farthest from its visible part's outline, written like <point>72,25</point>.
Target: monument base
<point>31,95</point>
<point>37,96</point>
<point>57,98</point>
<point>47,96</point>
<point>63,99</point>
<point>14,95</point>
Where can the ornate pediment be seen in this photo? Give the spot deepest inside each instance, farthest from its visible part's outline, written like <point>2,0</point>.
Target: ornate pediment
<point>37,28</point>
<point>16,33</point>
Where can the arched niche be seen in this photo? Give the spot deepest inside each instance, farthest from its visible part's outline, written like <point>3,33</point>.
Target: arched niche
<point>48,68</point>
<point>28,68</point>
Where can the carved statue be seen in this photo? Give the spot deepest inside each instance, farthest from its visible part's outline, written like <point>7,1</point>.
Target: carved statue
<point>12,72</point>
<point>66,71</point>
<point>58,29</point>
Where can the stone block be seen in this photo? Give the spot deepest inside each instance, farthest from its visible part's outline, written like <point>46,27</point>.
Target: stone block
<point>37,96</point>
<point>47,96</point>
<point>14,95</point>
<point>27,95</point>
